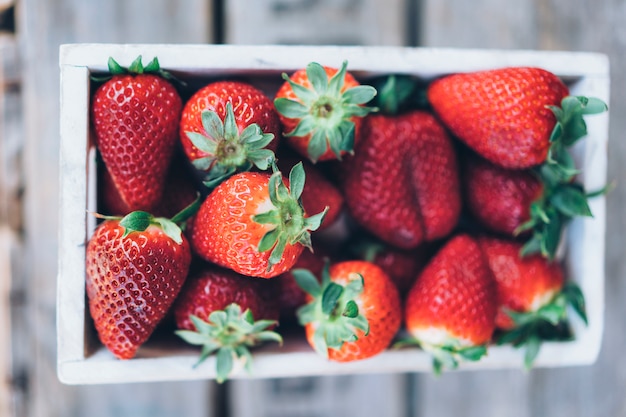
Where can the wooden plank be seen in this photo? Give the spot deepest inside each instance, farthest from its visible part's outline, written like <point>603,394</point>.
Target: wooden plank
<point>44,25</point>
<point>565,25</point>
<point>307,22</point>
<point>372,395</point>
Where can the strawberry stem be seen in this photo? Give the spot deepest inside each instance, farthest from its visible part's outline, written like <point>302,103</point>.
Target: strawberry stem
<point>562,198</point>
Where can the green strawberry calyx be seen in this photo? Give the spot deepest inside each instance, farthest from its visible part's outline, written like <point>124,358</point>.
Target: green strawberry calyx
<point>333,310</point>
<point>136,68</point>
<point>229,334</point>
<point>227,150</point>
<point>448,354</point>
<point>548,322</point>
<point>562,198</point>
<point>287,218</point>
<point>324,111</point>
<point>139,221</point>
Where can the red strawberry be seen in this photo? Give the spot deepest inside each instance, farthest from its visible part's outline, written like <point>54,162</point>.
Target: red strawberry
<point>225,313</point>
<point>318,192</point>
<point>532,297</point>
<point>228,127</point>
<point>178,192</point>
<point>353,314</point>
<point>499,198</point>
<point>212,288</point>
<point>135,115</point>
<point>252,223</point>
<point>451,308</point>
<point>135,268</point>
<point>290,296</point>
<point>320,109</point>
<point>402,183</point>
<point>502,114</point>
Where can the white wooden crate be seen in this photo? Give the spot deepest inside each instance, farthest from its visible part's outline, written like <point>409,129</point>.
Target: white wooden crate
<point>82,360</point>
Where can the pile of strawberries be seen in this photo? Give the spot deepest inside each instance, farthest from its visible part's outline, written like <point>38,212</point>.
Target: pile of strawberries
<point>408,214</point>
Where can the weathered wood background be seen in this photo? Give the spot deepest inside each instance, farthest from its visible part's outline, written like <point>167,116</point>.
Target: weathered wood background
<point>29,125</point>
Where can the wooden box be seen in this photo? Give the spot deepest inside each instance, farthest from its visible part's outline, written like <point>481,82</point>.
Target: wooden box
<point>83,360</point>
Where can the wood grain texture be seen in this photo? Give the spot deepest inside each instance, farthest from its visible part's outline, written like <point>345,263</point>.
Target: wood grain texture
<point>311,22</point>
<point>564,25</point>
<point>42,26</point>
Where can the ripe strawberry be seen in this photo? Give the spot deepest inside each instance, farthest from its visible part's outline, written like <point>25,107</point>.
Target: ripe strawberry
<point>135,116</point>
<point>532,295</point>
<point>210,288</point>
<point>320,109</point>
<point>402,183</point>
<point>451,308</point>
<point>135,268</point>
<point>226,314</point>
<point>353,314</point>
<point>253,224</point>
<point>499,198</point>
<point>228,127</point>
<point>318,193</point>
<point>502,114</point>
<point>178,192</point>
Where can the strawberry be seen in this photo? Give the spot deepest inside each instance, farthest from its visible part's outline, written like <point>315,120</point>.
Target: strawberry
<point>135,267</point>
<point>178,192</point>
<point>499,198</point>
<point>320,109</point>
<point>228,127</point>
<point>532,295</point>
<point>288,293</point>
<point>319,192</point>
<point>224,313</point>
<point>402,183</point>
<point>450,310</point>
<point>354,312</point>
<point>254,224</point>
<point>135,116</point>
<point>502,114</point>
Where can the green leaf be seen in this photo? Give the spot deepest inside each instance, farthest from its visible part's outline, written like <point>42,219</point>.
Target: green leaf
<point>191,337</point>
<point>592,105</point>
<point>551,236</point>
<point>290,108</point>
<point>533,344</point>
<point>269,336</point>
<point>337,80</point>
<point>269,239</point>
<point>571,201</point>
<point>473,353</point>
<point>137,221</point>
<point>330,297</point>
<point>557,132</point>
<point>203,143</point>
<point>212,124</point>
<point>359,95</point>
<point>171,229</point>
<point>219,318</point>
<point>304,94</point>
<point>317,77</point>
<point>351,310</point>
<point>136,67</point>
<point>319,342</point>
<point>533,245</point>
<point>277,253</point>
<point>297,179</point>
<point>201,325</point>
<point>224,363</point>
<point>360,322</point>
<point>114,67</point>
<point>317,145</point>
<point>188,211</point>
<point>552,313</point>
<point>576,299</point>
<point>306,314</point>
<point>153,66</point>
<point>305,126</point>
<point>231,131</point>
<point>307,281</point>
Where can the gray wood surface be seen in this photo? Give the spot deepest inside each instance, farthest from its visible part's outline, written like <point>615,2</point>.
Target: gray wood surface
<point>28,162</point>
<point>578,25</point>
<point>42,26</point>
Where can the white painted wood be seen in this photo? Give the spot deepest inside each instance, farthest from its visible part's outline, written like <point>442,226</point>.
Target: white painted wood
<point>587,73</point>
<point>308,22</point>
<point>6,372</point>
